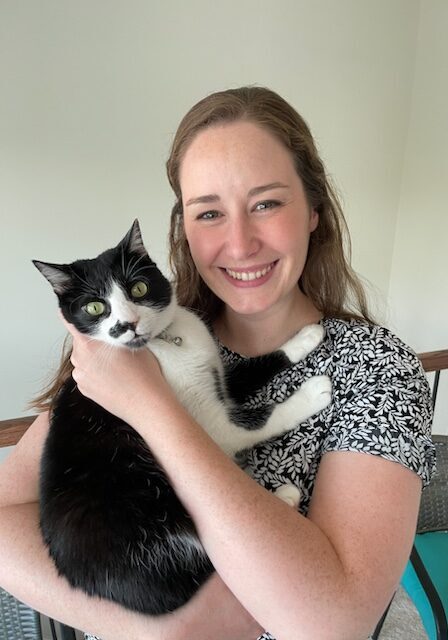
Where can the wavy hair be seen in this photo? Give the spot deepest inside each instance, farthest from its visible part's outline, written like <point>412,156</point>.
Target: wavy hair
<point>327,279</point>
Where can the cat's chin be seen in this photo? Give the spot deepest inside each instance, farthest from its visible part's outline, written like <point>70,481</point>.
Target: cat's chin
<point>137,342</point>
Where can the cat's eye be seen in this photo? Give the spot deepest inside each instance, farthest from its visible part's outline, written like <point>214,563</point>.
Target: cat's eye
<point>139,289</point>
<point>94,308</point>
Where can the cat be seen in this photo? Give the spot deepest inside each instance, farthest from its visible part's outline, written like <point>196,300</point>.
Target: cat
<point>108,515</point>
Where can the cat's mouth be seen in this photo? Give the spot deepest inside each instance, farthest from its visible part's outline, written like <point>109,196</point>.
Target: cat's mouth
<point>138,341</point>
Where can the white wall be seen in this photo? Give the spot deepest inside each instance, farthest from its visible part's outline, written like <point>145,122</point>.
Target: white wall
<point>419,275</point>
<point>92,92</point>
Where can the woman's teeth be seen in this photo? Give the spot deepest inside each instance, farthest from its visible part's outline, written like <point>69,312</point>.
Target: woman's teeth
<point>249,275</point>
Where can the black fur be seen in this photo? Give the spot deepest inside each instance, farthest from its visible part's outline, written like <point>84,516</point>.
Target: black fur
<point>107,511</point>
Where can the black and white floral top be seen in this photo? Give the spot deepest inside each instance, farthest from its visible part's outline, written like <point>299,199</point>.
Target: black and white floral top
<point>380,405</point>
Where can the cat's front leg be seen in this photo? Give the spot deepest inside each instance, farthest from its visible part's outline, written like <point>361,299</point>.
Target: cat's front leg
<point>304,342</point>
<point>289,493</point>
<point>311,398</point>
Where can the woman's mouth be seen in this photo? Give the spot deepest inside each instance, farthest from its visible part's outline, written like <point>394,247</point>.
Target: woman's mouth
<point>256,275</point>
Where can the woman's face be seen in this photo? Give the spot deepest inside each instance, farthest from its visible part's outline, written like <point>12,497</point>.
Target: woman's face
<point>246,217</point>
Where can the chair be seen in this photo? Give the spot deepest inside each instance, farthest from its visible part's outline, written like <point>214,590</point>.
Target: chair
<point>17,620</point>
<point>20,622</point>
<point>426,576</point>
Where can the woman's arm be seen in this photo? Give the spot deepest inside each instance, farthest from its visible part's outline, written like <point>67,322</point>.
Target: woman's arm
<point>344,560</point>
<point>19,473</point>
<point>27,571</point>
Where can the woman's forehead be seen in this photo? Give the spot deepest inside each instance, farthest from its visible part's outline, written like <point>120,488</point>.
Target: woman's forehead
<point>240,150</point>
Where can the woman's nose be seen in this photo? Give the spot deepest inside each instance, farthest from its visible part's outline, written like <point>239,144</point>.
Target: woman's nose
<point>242,238</point>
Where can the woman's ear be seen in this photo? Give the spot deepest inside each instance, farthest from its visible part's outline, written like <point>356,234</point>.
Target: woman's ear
<point>314,220</point>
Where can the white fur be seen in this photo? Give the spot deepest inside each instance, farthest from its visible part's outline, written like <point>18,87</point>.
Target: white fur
<point>189,368</point>
<point>290,494</point>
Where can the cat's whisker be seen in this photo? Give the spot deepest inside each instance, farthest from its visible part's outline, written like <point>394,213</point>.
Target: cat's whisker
<point>123,269</point>
<point>127,269</point>
<point>83,280</point>
<point>131,271</point>
<point>105,354</point>
<point>137,271</point>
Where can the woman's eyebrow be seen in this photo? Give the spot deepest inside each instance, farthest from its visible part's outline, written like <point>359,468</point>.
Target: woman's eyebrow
<point>213,197</point>
<point>266,187</point>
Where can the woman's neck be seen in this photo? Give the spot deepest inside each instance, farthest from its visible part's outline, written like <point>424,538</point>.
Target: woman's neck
<point>254,335</point>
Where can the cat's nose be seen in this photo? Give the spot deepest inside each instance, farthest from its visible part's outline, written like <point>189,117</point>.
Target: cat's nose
<point>121,327</point>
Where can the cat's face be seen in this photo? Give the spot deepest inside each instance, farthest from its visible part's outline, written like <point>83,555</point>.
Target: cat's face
<point>120,297</point>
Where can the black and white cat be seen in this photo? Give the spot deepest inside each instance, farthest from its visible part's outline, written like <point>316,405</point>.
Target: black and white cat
<point>112,523</point>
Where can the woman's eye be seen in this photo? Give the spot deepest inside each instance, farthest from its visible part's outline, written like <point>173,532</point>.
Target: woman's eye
<point>208,215</point>
<point>94,308</point>
<point>139,289</point>
<point>266,204</point>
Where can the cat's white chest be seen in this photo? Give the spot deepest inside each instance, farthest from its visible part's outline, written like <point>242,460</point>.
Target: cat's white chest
<point>187,354</point>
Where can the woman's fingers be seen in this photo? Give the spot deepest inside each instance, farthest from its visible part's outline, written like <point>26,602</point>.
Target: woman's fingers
<point>70,327</point>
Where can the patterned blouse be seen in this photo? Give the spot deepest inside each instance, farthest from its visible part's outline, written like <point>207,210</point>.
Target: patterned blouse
<point>380,405</point>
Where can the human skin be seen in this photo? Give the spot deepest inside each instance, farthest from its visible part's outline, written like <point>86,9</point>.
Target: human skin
<point>245,210</point>
<point>278,568</point>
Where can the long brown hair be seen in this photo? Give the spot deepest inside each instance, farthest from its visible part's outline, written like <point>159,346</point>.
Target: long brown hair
<point>327,279</point>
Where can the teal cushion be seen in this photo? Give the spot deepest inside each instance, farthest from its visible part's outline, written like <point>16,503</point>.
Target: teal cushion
<point>433,550</point>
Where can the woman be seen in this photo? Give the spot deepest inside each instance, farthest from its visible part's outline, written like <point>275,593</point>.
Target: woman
<point>257,248</point>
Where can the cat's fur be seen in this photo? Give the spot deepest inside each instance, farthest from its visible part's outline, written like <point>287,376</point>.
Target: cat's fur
<point>113,524</point>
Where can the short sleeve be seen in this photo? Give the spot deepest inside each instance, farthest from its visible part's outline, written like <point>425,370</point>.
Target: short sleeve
<point>383,405</point>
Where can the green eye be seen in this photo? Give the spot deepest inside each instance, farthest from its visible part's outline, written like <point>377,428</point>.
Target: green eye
<point>139,289</point>
<point>95,308</point>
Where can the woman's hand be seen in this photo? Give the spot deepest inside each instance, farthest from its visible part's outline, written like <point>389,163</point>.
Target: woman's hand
<point>113,377</point>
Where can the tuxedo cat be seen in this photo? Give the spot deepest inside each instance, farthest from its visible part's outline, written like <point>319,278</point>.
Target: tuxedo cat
<point>112,523</point>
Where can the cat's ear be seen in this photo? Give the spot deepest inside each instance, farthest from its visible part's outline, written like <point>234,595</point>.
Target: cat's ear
<point>133,240</point>
<point>58,275</point>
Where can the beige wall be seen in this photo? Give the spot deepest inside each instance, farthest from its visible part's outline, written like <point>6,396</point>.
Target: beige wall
<point>92,92</point>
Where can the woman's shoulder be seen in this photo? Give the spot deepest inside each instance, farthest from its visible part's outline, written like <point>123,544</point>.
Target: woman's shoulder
<point>369,347</point>
<point>381,399</point>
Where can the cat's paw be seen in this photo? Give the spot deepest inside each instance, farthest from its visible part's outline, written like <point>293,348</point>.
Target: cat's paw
<point>318,392</point>
<point>304,342</point>
<point>290,494</point>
